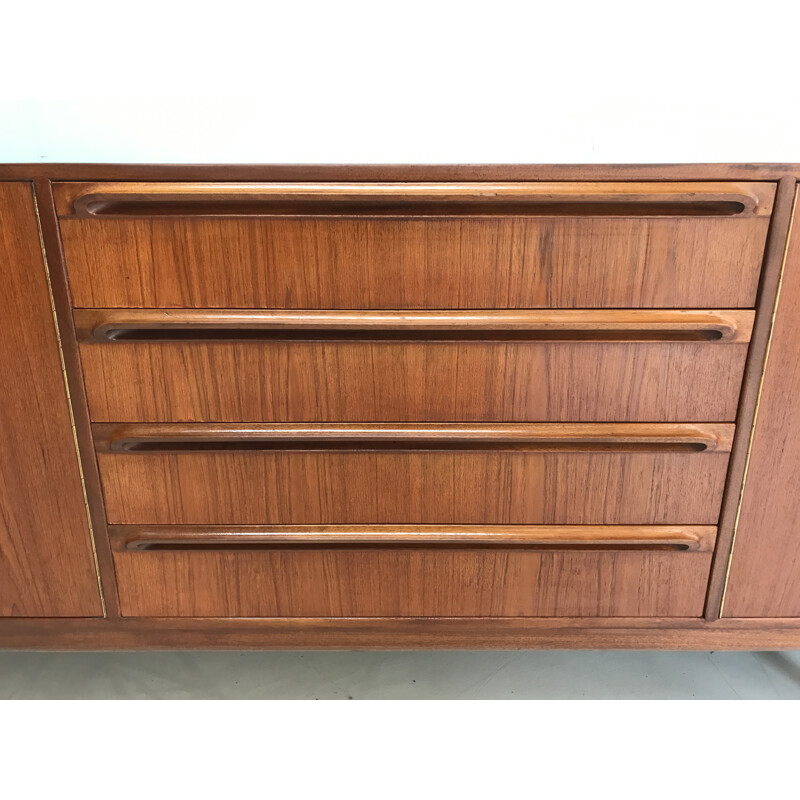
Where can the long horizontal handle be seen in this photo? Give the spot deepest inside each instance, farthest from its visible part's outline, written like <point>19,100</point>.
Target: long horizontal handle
<point>387,437</point>
<point>121,325</point>
<point>137,538</point>
<point>514,198</point>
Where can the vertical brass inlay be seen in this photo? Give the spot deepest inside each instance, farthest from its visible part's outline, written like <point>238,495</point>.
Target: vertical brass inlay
<point>69,401</point>
<point>758,403</point>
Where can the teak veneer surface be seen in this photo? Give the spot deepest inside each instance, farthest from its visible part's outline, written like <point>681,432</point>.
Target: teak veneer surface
<point>450,259</point>
<point>319,487</point>
<point>46,563</point>
<point>507,245</point>
<point>764,576</point>
<point>385,263</point>
<point>748,400</point>
<point>92,173</point>
<point>159,324</point>
<point>419,583</point>
<point>413,381</point>
<point>420,198</point>
<point>386,436</point>
<point>126,538</point>
<point>398,633</point>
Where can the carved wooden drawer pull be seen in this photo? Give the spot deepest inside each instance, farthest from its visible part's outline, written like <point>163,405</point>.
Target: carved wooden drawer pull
<point>414,199</point>
<point>139,538</point>
<point>124,325</point>
<point>382,437</point>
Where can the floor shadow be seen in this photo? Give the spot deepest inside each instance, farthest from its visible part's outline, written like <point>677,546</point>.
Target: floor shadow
<point>782,663</point>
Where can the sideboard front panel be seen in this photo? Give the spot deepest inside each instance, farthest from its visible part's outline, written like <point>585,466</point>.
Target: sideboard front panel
<point>310,399</point>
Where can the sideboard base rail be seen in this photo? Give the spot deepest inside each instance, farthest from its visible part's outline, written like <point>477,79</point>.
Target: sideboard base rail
<point>378,633</point>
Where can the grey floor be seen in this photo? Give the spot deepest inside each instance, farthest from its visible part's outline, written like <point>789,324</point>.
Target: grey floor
<point>406,675</point>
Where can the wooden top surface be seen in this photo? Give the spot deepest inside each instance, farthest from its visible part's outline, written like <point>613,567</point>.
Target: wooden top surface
<point>399,172</point>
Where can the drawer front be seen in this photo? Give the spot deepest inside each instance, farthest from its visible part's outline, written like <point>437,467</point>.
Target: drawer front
<point>518,475</point>
<point>374,246</point>
<point>676,366</point>
<point>229,581</point>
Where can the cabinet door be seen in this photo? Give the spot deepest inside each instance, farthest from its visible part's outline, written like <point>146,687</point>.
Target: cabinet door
<point>764,577</point>
<point>47,568</point>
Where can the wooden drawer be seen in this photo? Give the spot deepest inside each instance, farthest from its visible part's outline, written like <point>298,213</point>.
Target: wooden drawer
<point>414,245</point>
<point>559,572</point>
<point>235,366</point>
<point>514,474</point>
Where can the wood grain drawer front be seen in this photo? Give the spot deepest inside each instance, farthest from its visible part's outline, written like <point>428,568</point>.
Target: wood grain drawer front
<point>622,577</point>
<point>414,245</point>
<point>233,366</point>
<point>472,475</point>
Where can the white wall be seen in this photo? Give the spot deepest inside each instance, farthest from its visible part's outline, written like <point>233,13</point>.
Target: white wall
<point>412,82</point>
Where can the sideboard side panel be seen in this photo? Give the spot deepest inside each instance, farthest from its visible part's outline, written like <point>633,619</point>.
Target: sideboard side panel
<point>47,568</point>
<point>764,578</point>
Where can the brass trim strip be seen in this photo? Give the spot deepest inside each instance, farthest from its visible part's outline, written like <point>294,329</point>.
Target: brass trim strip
<point>69,401</point>
<point>758,403</point>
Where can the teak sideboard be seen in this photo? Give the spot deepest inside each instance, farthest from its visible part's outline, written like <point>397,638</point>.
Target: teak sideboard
<point>399,407</point>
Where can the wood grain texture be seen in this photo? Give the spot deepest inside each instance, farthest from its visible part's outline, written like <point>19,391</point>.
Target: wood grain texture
<point>582,436</point>
<point>424,198</point>
<point>412,583</point>
<point>401,172</point>
<point>375,632</point>
<point>417,381</point>
<point>125,538</point>
<point>764,576</point>
<point>411,633</point>
<point>46,562</point>
<point>754,369</point>
<point>310,488</point>
<point>393,263</point>
<point>62,304</point>
<point>150,324</point>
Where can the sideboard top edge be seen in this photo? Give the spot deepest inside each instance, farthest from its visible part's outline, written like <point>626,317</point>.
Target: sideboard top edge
<point>398,172</point>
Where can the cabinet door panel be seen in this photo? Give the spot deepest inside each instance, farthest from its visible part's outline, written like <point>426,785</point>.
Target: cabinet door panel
<point>765,570</point>
<point>46,563</point>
